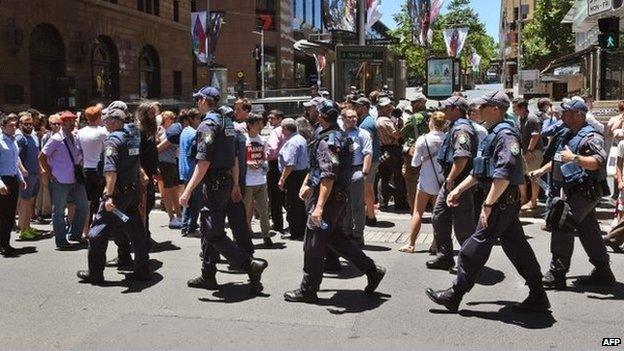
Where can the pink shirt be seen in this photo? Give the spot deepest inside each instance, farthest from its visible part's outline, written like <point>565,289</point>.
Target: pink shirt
<point>59,160</point>
<point>275,143</point>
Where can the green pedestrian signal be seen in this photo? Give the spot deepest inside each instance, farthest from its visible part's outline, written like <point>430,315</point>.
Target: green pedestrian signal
<point>609,40</point>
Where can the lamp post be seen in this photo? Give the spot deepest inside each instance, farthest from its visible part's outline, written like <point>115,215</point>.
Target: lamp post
<point>261,34</point>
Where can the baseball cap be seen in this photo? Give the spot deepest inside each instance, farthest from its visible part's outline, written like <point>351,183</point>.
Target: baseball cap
<point>68,115</point>
<point>329,108</point>
<point>362,101</point>
<point>574,105</point>
<point>115,105</point>
<point>114,114</point>
<point>497,98</point>
<point>314,102</point>
<point>455,101</point>
<point>418,97</point>
<point>384,101</point>
<point>207,92</point>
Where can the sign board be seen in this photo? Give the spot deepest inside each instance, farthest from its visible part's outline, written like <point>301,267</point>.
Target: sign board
<point>362,55</point>
<point>530,74</point>
<point>595,7</point>
<point>440,77</point>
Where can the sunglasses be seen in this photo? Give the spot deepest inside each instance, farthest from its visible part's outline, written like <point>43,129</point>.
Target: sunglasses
<point>55,124</point>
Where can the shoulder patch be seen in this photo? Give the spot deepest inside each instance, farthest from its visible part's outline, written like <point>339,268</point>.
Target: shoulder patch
<point>208,136</point>
<point>514,148</point>
<point>462,139</point>
<point>109,151</point>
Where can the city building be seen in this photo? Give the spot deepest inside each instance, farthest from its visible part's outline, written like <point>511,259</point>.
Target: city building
<point>509,35</point>
<point>57,55</point>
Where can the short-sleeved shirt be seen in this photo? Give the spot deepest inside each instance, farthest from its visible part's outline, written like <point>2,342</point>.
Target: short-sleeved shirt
<point>426,151</point>
<point>415,126</point>
<point>387,127</point>
<point>506,158</point>
<point>294,153</point>
<point>9,156</point>
<point>186,164</point>
<point>368,123</point>
<point>91,139</point>
<point>59,159</point>
<point>530,126</point>
<point>172,134</point>
<point>255,160</point>
<point>149,155</point>
<point>620,147</point>
<point>112,152</point>
<point>29,151</point>
<point>462,143</point>
<point>593,145</point>
<point>361,143</point>
<point>275,143</point>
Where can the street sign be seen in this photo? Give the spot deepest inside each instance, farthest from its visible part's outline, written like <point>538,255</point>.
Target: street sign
<point>609,40</point>
<point>595,7</point>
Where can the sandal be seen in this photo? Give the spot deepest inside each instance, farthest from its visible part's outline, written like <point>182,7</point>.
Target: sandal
<point>407,249</point>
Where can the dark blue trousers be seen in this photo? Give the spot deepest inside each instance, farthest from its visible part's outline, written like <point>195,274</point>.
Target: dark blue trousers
<point>445,219</point>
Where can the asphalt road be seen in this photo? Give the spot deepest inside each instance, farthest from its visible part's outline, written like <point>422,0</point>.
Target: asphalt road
<point>44,307</point>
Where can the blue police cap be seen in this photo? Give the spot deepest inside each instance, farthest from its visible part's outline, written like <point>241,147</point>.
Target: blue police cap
<point>574,105</point>
<point>207,92</point>
<point>455,101</point>
<point>496,98</point>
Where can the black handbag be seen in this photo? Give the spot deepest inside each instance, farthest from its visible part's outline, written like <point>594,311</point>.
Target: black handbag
<point>78,171</point>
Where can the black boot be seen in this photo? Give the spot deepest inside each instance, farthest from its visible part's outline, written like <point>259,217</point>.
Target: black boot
<point>374,275</point>
<point>256,267</point>
<point>204,281</point>
<point>441,262</point>
<point>555,281</point>
<point>300,296</point>
<point>599,276</point>
<point>267,242</point>
<point>87,277</point>
<point>537,301</point>
<point>447,298</point>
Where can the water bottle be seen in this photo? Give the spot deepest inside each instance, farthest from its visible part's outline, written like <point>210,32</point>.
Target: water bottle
<point>120,214</point>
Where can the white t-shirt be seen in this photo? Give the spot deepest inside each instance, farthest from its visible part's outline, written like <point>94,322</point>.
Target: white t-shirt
<point>256,160</point>
<point>91,140</point>
<point>430,169</point>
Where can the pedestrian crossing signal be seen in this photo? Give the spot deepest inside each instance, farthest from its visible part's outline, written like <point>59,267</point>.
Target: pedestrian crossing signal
<point>609,40</point>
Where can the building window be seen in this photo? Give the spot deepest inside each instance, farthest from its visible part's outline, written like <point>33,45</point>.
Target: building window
<point>149,6</point>
<point>176,11</point>
<point>265,6</point>
<point>149,73</point>
<point>177,83</point>
<point>193,6</point>
<point>105,68</point>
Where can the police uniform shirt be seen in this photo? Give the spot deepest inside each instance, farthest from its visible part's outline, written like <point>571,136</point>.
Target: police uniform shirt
<point>462,143</point>
<point>206,136</point>
<point>506,157</point>
<point>593,145</point>
<point>115,150</point>
<point>328,158</point>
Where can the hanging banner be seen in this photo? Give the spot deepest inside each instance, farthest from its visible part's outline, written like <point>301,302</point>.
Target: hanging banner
<point>340,15</point>
<point>198,35</point>
<point>475,61</point>
<point>455,38</point>
<point>321,62</point>
<point>423,14</point>
<point>373,12</point>
<point>213,30</point>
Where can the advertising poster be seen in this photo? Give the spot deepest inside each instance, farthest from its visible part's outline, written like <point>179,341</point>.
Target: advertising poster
<point>439,77</point>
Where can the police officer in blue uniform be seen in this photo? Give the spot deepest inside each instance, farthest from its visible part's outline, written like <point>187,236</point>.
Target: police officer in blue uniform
<point>217,171</point>
<point>455,156</point>
<point>498,170</point>
<point>578,166</point>
<point>121,172</point>
<point>325,191</point>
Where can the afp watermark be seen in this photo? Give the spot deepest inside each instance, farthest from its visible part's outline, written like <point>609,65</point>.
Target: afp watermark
<point>611,341</point>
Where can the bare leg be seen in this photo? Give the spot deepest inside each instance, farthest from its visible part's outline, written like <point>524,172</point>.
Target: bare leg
<point>369,199</point>
<point>422,199</point>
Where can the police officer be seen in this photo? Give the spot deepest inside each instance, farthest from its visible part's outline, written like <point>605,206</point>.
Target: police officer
<point>217,170</point>
<point>497,169</point>
<point>455,156</point>
<point>325,191</point>
<point>121,172</point>
<point>578,166</point>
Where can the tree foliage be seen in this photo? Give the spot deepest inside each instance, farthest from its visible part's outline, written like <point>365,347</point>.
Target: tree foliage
<point>544,38</point>
<point>459,14</point>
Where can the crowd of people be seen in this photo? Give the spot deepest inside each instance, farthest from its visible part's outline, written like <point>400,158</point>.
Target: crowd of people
<point>364,155</point>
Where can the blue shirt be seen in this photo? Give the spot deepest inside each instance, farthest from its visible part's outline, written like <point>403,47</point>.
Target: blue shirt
<point>368,124</point>
<point>9,153</point>
<point>186,164</point>
<point>28,152</point>
<point>362,144</point>
<point>294,153</point>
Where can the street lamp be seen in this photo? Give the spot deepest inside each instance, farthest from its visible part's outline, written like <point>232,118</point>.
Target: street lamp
<point>261,34</point>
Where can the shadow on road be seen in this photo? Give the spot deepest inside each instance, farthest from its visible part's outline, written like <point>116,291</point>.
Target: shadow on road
<point>490,276</point>
<point>352,301</point>
<point>232,293</point>
<point>275,246</point>
<point>164,246</point>
<point>383,224</point>
<point>368,247</point>
<point>348,271</point>
<point>19,251</point>
<point>615,292</point>
<point>508,316</point>
<point>132,285</point>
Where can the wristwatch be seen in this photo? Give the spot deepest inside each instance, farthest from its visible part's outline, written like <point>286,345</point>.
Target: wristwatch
<point>486,205</point>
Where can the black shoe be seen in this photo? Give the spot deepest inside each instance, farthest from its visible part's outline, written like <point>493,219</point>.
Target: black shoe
<point>268,242</point>
<point>599,276</point>
<point>332,267</point>
<point>7,251</point>
<point>255,274</point>
<point>453,270</point>
<point>78,239</point>
<point>441,262</point>
<point>208,282</point>
<point>371,222</point>
<point>184,232</point>
<point>554,281</point>
<point>374,276</point>
<point>447,298</point>
<point>300,296</point>
<point>537,301</point>
<point>87,277</point>
<point>122,264</point>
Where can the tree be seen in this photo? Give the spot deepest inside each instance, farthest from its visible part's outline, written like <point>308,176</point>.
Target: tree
<point>544,37</point>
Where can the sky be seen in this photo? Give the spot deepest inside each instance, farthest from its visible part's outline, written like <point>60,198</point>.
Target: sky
<point>488,11</point>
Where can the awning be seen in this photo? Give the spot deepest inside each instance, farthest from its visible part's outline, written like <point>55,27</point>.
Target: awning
<point>311,47</point>
<point>567,59</point>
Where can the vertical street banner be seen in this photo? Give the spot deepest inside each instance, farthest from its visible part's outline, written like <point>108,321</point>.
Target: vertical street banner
<point>373,12</point>
<point>213,30</point>
<point>423,14</point>
<point>198,35</point>
<point>340,15</point>
<point>475,61</point>
<point>455,38</point>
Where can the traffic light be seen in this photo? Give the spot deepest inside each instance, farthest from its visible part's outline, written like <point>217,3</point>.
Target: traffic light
<point>609,37</point>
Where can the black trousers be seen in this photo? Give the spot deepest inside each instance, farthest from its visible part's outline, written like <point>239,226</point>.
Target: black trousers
<point>94,185</point>
<point>8,207</point>
<point>390,171</point>
<point>276,196</point>
<point>295,207</point>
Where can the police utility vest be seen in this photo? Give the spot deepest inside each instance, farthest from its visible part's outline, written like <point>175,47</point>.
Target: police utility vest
<point>484,165</point>
<point>224,141</point>
<point>337,140</point>
<point>570,173</point>
<point>445,156</point>
<point>128,149</point>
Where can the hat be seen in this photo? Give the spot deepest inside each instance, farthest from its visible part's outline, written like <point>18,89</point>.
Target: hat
<point>116,105</point>
<point>497,98</point>
<point>362,102</point>
<point>455,101</point>
<point>574,105</point>
<point>404,106</point>
<point>68,115</point>
<point>207,92</point>
<point>329,108</point>
<point>314,102</point>
<point>323,93</point>
<point>114,114</point>
<point>384,101</point>
<point>418,97</point>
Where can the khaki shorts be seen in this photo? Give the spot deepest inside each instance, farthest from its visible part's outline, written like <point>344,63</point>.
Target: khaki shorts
<point>535,163</point>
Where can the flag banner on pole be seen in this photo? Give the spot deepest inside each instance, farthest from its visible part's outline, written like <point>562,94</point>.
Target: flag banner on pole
<point>213,30</point>
<point>455,38</point>
<point>423,14</point>
<point>321,62</point>
<point>198,35</point>
<point>373,12</point>
<point>475,61</point>
<point>340,15</point>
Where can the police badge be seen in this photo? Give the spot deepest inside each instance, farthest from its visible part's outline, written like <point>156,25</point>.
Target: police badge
<point>514,148</point>
<point>109,151</point>
<point>208,137</point>
<point>463,139</point>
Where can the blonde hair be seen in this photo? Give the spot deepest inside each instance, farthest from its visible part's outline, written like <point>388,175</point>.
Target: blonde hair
<point>438,120</point>
<point>55,118</point>
<point>168,114</point>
